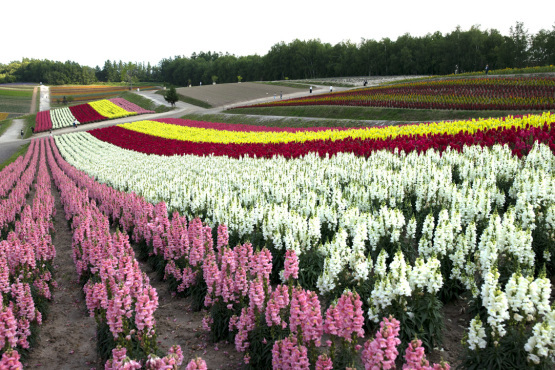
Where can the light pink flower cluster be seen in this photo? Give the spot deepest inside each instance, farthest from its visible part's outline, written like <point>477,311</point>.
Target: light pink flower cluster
<point>245,324</point>
<point>10,360</point>
<point>381,352</point>
<point>288,354</point>
<point>120,360</point>
<point>196,364</point>
<point>324,363</point>
<point>415,358</point>
<point>306,316</point>
<point>278,302</point>
<point>291,265</point>
<point>345,318</point>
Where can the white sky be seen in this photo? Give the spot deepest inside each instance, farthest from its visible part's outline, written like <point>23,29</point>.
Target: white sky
<point>91,32</point>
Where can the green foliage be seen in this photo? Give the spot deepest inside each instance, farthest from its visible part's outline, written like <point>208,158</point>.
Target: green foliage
<point>171,96</point>
<point>509,353</point>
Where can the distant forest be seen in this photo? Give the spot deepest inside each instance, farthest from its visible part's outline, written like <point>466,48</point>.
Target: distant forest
<point>434,54</point>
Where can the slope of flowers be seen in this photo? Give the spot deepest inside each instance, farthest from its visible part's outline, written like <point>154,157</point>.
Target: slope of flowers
<point>26,257</point>
<point>499,93</point>
<point>517,132</point>
<point>404,229</point>
<point>86,113</point>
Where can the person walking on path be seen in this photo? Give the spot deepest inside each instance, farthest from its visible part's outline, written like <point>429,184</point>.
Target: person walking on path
<point>311,89</point>
<point>331,88</point>
<point>75,123</point>
<point>487,69</point>
<point>281,94</point>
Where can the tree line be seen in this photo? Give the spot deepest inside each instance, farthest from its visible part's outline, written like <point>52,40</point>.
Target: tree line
<point>433,54</point>
<point>64,73</point>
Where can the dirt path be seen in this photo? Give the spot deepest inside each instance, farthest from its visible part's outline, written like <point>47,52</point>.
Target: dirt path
<point>176,323</point>
<point>34,101</point>
<point>67,338</point>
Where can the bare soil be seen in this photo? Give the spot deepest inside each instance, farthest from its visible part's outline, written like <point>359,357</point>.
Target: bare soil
<point>222,95</point>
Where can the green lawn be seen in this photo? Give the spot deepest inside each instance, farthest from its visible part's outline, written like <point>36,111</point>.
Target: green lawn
<point>16,99</point>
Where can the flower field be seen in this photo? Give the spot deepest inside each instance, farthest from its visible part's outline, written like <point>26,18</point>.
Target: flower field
<point>86,113</point>
<point>297,255</point>
<point>492,93</point>
<point>306,248</point>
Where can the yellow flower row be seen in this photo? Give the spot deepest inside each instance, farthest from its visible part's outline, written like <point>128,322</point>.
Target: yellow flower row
<point>194,134</point>
<point>109,109</point>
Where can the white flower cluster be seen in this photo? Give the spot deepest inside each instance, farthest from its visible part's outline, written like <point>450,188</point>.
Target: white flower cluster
<point>401,280</point>
<point>476,334</point>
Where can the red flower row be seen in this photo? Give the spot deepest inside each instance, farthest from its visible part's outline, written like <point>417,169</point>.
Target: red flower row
<point>520,141</point>
<point>84,113</point>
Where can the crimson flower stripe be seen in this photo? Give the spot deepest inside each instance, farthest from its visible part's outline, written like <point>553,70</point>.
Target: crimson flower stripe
<point>520,141</point>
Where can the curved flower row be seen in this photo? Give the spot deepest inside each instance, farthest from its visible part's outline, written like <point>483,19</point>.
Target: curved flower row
<point>517,137</point>
<point>118,293</point>
<point>26,257</point>
<point>207,134</point>
<point>85,113</point>
<point>470,93</point>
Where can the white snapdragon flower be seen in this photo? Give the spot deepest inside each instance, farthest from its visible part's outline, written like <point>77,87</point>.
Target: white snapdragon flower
<point>476,334</point>
<point>542,342</point>
<point>425,246</point>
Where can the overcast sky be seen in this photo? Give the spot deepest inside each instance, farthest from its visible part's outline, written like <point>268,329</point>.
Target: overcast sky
<point>91,32</point>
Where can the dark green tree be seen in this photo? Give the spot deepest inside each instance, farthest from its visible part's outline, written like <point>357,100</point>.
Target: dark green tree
<point>171,96</point>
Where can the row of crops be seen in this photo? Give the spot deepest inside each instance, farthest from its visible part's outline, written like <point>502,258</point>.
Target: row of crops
<point>100,110</point>
<point>492,93</point>
<point>118,293</point>
<point>300,255</point>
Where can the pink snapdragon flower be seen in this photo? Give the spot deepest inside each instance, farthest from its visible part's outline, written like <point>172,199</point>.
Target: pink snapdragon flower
<point>197,364</point>
<point>287,354</point>
<point>291,265</point>
<point>324,363</point>
<point>381,352</point>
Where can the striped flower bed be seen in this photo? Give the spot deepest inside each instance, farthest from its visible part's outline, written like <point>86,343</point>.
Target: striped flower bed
<point>86,113</point>
<point>494,93</point>
<point>179,137</point>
